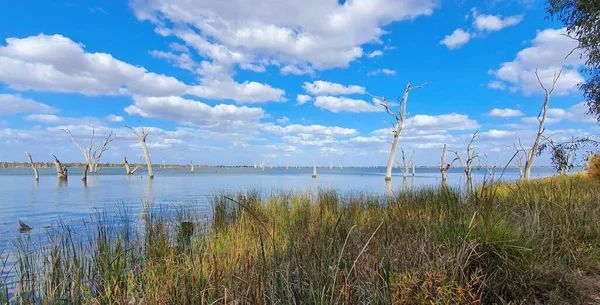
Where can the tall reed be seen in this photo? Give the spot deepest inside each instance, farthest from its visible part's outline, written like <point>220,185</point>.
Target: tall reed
<point>532,242</point>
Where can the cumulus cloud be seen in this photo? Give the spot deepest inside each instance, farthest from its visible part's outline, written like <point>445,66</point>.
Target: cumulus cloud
<point>58,64</point>
<point>115,118</point>
<point>457,39</point>
<point>283,120</point>
<point>547,55</point>
<point>342,104</point>
<point>11,104</point>
<point>191,112</point>
<point>505,113</point>
<point>328,88</point>
<point>375,54</point>
<point>295,129</point>
<point>492,23</point>
<point>575,113</point>
<point>302,98</point>
<point>452,121</point>
<point>315,34</point>
<point>482,25</point>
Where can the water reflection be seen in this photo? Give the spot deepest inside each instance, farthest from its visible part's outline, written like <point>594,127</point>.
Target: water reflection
<point>62,182</point>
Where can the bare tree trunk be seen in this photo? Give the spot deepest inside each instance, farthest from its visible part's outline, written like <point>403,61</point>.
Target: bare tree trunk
<point>35,171</point>
<point>412,163</point>
<point>127,168</point>
<point>142,138</point>
<point>397,128</point>
<point>530,158</point>
<point>405,165</point>
<point>191,166</point>
<point>390,165</point>
<point>85,171</point>
<point>314,175</point>
<point>61,171</point>
<point>444,167</point>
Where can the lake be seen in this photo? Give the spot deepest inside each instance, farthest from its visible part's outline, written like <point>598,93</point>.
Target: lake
<point>43,204</point>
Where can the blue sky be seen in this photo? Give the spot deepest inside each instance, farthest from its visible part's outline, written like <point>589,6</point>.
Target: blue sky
<point>238,82</point>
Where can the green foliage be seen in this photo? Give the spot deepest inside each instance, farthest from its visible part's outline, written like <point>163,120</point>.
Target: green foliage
<point>524,243</point>
<point>582,19</point>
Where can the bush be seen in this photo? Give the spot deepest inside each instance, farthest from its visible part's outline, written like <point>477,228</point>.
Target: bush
<point>593,167</point>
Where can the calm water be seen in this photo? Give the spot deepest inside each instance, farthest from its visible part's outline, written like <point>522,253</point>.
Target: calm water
<point>42,204</point>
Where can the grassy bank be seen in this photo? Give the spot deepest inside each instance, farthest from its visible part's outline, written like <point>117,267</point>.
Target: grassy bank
<point>526,243</point>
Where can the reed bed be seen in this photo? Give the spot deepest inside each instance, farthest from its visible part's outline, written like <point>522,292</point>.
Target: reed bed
<point>522,243</point>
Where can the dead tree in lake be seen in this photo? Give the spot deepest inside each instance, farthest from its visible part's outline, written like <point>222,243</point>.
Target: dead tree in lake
<point>400,118</point>
<point>35,171</point>
<point>541,118</point>
<point>142,137</point>
<point>128,169</point>
<point>445,167</point>
<point>97,154</point>
<point>61,171</point>
<point>470,157</point>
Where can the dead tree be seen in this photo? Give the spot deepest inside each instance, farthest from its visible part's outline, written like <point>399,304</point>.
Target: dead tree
<point>142,137</point>
<point>61,171</point>
<point>445,167</point>
<point>412,163</point>
<point>541,118</point>
<point>400,118</point>
<point>35,171</point>
<point>519,154</point>
<point>128,168</point>
<point>405,164</point>
<point>191,166</point>
<point>97,154</point>
<point>87,152</point>
<point>470,157</point>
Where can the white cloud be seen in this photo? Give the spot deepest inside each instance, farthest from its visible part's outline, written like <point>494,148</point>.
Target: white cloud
<point>295,129</point>
<point>575,113</point>
<point>283,120</point>
<point>547,54</point>
<point>327,88</point>
<point>302,98</point>
<point>492,23</point>
<point>58,64</point>
<point>342,104</point>
<point>375,54</point>
<point>190,112</point>
<point>452,121</point>
<point>317,34</point>
<point>11,104</point>
<point>382,71</point>
<point>44,118</point>
<point>115,118</point>
<point>498,85</point>
<point>456,40</point>
<point>243,93</point>
<point>505,113</point>
<point>54,119</point>
<point>292,69</point>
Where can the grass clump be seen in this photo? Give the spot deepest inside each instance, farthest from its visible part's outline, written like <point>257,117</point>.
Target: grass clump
<point>534,242</point>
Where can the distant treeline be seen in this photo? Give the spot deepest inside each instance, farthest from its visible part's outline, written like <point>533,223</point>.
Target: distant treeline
<point>79,164</point>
